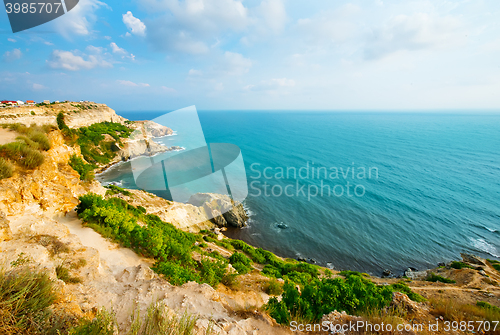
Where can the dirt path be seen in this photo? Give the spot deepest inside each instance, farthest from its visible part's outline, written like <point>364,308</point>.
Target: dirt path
<point>7,136</point>
<point>111,254</point>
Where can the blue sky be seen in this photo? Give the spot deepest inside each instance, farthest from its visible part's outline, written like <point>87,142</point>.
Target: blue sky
<point>269,54</point>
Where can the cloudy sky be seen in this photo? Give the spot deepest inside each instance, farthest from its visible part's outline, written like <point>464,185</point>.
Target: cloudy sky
<point>261,54</point>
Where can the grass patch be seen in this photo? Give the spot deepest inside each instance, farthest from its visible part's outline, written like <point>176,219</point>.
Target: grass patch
<point>432,277</point>
<point>489,306</point>
<point>63,274</point>
<point>6,168</point>
<point>104,323</point>
<point>22,154</point>
<point>25,297</point>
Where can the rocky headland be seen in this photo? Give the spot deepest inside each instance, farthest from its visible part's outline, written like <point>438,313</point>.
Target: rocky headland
<point>39,227</point>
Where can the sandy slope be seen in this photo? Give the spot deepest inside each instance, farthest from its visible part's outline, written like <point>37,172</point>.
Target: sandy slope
<point>7,136</point>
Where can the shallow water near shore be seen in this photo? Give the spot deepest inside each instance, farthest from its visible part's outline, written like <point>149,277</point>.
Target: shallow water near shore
<point>433,191</point>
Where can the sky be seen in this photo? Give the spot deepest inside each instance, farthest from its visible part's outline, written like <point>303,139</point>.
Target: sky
<point>260,54</point>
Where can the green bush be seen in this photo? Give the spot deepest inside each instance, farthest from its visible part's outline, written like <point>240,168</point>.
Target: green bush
<point>403,288</point>
<point>436,278</point>
<point>485,305</point>
<point>6,168</point>
<point>240,262</point>
<point>353,294</point>
<point>460,265</point>
<point>86,171</point>
<point>171,247</point>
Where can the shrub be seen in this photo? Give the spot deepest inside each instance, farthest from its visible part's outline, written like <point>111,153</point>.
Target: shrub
<point>353,294</point>
<point>436,278</point>
<point>489,306</point>
<point>86,171</point>
<point>273,287</point>
<point>63,274</point>
<point>6,168</point>
<point>240,262</point>
<point>25,298</point>
<point>460,265</point>
<point>403,288</point>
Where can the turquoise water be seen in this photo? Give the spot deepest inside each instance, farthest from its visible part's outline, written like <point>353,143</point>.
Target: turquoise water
<point>434,189</point>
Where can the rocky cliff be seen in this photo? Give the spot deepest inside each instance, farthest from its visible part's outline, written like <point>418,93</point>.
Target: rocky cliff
<point>76,114</point>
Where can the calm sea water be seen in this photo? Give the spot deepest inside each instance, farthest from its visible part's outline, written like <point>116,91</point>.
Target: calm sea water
<point>434,189</point>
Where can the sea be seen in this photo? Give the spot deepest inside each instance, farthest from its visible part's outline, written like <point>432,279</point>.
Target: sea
<point>364,191</point>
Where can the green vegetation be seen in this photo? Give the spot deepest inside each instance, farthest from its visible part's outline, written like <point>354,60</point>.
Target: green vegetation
<point>495,264</point>
<point>240,262</point>
<point>85,170</point>
<point>460,265</point>
<point>25,152</point>
<point>171,247</point>
<point>436,278</point>
<point>63,274</point>
<point>113,189</point>
<point>273,287</point>
<point>6,168</point>
<point>104,323</point>
<point>403,288</point>
<point>489,306</point>
<point>21,153</point>
<point>25,297</point>
<point>353,294</point>
<point>94,146</point>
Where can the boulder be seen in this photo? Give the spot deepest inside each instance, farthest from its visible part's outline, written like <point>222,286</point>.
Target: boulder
<point>222,210</point>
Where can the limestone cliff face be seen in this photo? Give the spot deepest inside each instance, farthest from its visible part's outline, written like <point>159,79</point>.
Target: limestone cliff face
<point>52,187</point>
<point>221,208</point>
<point>76,114</point>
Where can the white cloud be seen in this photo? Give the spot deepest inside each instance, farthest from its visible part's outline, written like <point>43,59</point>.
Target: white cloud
<point>131,83</point>
<point>273,86</point>
<point>116,49</point>
<point>11,40</point>
<point>136,26</point>
<point>191,26</point>
<point>74,61</point>
<point>235,64</point>
<point>38,87</point>
<point>10,56</point>
<point>80,19</point>
<point>194,72</point>
<point>168,89</point>
<point>414,32</point>
<point>283,82</point>
<point>272,14</point>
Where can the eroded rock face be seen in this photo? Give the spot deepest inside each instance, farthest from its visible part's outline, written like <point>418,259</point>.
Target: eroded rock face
<point>53,187</point>
<point>221,208</point>
<point>5,232</point>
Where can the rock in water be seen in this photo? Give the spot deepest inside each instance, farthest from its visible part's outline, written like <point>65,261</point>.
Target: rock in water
<point>221,208</point>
